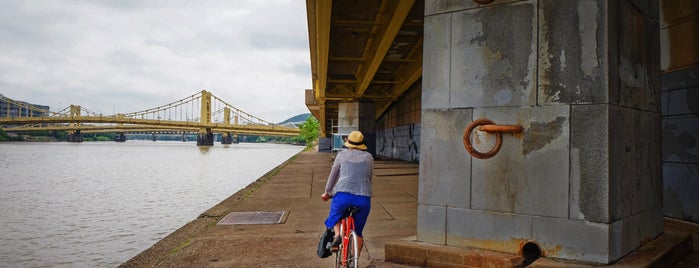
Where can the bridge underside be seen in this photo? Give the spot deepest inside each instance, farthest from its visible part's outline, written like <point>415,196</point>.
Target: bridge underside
<point>362,51</point>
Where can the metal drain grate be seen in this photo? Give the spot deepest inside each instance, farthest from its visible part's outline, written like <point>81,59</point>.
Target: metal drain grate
<point>254,217</point>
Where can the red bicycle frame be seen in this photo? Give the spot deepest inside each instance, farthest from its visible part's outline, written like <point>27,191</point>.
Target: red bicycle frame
<point>346,228</point>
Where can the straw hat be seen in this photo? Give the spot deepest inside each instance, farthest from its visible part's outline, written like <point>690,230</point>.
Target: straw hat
<point>355,140</point>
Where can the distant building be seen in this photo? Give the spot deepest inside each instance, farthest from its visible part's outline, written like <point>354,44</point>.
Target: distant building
<point>14,108</point>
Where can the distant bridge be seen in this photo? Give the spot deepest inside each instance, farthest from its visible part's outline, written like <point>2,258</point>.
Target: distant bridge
<point>202,112</point>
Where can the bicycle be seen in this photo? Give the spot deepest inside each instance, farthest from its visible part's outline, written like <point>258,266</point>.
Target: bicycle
<point>347,255</point>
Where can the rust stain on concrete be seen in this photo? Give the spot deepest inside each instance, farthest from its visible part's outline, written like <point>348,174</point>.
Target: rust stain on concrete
<point>539,134</point>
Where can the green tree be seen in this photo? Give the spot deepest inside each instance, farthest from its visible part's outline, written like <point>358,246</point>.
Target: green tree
<point>309,131</point>
<point>60,135</point>
<point>3,135</point>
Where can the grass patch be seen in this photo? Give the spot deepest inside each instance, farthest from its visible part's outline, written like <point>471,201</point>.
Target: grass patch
<point>181,246</point>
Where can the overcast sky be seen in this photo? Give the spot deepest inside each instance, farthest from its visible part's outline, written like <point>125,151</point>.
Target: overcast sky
<point>129,55</point>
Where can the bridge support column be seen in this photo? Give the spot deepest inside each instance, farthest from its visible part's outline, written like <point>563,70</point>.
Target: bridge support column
<point>583,181</point>
<point>226,138</point>
<point>120,137</point>
<point>358,116</point>
<point>229,138</point>
<point>205,138</point>
<point>75,136</point>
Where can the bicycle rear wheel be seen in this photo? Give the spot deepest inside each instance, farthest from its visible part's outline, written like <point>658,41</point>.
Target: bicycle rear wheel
<point>352,251</point>
<point>338,257</point>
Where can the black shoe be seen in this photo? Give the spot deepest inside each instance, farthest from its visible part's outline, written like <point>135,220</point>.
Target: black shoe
<point>325,243</point>
<point>335,247</point>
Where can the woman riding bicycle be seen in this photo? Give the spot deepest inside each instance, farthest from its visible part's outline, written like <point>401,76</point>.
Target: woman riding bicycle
<point>349,184</point>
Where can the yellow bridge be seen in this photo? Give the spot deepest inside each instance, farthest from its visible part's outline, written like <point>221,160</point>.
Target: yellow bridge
<point>202,112</point>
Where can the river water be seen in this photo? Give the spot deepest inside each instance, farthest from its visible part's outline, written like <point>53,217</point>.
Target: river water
<point>97,204</point>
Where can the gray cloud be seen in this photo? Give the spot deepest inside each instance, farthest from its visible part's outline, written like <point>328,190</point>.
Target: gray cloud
<point>124,56</point>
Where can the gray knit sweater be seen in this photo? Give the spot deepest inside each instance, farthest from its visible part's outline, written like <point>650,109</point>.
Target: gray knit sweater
<point>351,173</point>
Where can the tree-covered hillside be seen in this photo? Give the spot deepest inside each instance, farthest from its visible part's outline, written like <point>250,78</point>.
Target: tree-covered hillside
<point>297,118</point>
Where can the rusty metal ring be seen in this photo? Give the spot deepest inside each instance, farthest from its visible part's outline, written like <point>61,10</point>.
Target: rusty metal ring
<point>467,139</point>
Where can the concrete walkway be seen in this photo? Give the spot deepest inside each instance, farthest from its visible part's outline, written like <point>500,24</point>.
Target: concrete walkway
<point>295,188</point>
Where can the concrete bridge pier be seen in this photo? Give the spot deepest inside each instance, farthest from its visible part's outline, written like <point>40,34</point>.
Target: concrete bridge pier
<point>358,116</point>
<point>205,138</point>
<point>582,180</point>
<point>75,136</point>
<point>120,137</point>
<point>226,138</point>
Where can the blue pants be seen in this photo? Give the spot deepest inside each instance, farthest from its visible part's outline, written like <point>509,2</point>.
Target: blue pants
<point>341,202</point>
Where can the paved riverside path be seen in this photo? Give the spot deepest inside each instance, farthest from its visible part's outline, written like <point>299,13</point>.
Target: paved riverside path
<point>294,187</point>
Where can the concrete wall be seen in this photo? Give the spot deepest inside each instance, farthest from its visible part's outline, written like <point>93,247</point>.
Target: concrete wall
<point>679,47</point>
<point>680,144</point>
<point>583,181</point>
<point>398,129</point>
<point>402,142</point>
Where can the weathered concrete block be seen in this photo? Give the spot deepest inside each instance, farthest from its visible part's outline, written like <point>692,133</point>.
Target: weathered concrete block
<point>436,62</point>
<point>356,116</point>
<point>557,238</point>
<point>530,174</point>
<point>431,226</point>
<point>631,232</point>
<point>634,161</point>
<point>487,230</point>
<point>493,64</point>
<point>589,155</point>
<point>615,173</point>
<point>572,239</point>
<point>428,255</point>
<point>445,166</point>
<point>639,45</point>
<point>573,61</point>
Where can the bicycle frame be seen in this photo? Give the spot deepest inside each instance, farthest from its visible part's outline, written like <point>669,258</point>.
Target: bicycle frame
<point>348,224</point>
<point>347,232</point>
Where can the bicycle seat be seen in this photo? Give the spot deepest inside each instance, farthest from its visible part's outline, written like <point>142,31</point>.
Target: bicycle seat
<point>350,211</point>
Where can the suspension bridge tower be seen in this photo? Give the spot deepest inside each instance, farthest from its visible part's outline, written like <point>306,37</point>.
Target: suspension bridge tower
<point>228,137</point>
<point>75,135</point>
<point>205,136</point>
